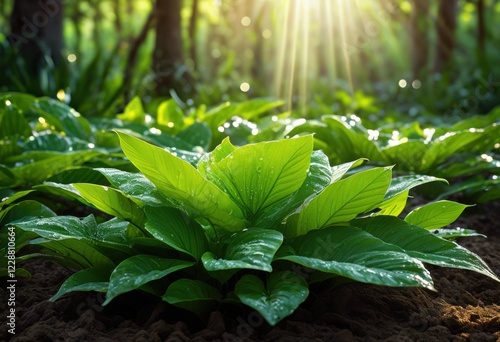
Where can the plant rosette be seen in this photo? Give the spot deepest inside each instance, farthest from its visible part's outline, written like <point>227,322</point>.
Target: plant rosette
<point>233,227</point>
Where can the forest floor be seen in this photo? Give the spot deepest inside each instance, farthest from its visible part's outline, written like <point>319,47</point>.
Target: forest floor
<point>466,307</point>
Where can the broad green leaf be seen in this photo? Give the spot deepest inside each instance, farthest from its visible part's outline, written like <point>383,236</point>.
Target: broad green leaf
<point>134,185</point>
<point>75,253</point>
<point>41,165</point>
<point>117,232</point>
<point>113,232</point>
<point>62,190</point>
<point>134,112</point>
<point>343,200</point>
<point>406,155</point>
<point>279,298</point>
<point>250,249</point>
<point>138,270</point>
<point>422,244</point>
<point>338,171</point>
<point>55,142</point>
<point>352,253</point>
<point>60,227</point>
<point>79,175</point>
<point>404,183</point>
<point>172,227</point>
<point>394,205</point>
<point>90,279</point>
<point>178,180</point>
<point>170,116</point>
<point>14,197</point>
<point>259,175</point>
<point>360,145</point>
<point>112,201</point>
<point>436,215</point>
<point>197,135</point>
<point>12,120</point>
<point>251,109</point>
<point>445,146</point>
<point>193,295</point>
<point>318,177</point>
<point>26,210</point>
<point>63,117</point>
<point>224,149</point>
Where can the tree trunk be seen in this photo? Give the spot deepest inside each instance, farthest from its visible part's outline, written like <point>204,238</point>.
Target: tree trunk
<point>419,34</point>
<point>481,32</point>
<point>37,30</point>
<point>446,27</point>
<point>168,61</point>
<point>193,20</point>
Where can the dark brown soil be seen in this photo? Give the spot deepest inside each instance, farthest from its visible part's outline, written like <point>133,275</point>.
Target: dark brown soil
<point>465,308</point>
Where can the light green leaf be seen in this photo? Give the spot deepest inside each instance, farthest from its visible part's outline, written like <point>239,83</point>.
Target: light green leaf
<point>284,292</point>
<point>134,112</point>
<point>259,175</point>
<point>343,200</point>
<point>112,201</point>
<point>394,205</point>
<point>90,279</point>
<point>134,185</point>
<point>172,227</point>
<point>436,215</point>
<point>338,171</point>
<point>352,253</point>
<point>318,177</point>
<point>138,270</point>
<point>181,182</point>
<point>250,249</point>
<point>404,183</point>
<point>170,116</point>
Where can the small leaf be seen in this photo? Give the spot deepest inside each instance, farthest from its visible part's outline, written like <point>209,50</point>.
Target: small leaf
<point>250,249</point>
<point>284,292</point>
<point>436,215</point>
<point>193,295</point>
<point>90,279</point>
<point>134,112</point>
<point>138,270</point>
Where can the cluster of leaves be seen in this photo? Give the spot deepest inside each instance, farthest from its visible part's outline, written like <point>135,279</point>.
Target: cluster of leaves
<point>467,152</point>
<point>40,137</point>
<point>255,224</point>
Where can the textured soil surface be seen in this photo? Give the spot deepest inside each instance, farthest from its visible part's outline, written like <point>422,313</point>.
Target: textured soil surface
<point>466,307</point>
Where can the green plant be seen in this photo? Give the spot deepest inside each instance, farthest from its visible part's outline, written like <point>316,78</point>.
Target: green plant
<point>241,225</point>
<point>466,151</point>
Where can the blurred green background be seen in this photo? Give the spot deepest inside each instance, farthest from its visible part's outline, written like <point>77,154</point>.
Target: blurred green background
<point>385,60</point>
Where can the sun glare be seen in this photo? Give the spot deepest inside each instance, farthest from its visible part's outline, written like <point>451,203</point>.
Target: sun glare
<point>327,39</point>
